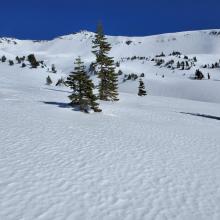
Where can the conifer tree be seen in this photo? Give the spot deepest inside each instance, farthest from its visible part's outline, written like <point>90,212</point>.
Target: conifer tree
<point>82,95</point>
<point>60,82</point>
<point>105,67</point>
<point>34,63</point>
<point>53,68</point>
<point>48,81</point>
<point>141,88</point>
<point>4,58</point>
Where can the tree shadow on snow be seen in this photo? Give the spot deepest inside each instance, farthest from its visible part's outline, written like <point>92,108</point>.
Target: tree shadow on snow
<point>202,115</point>
<point>65,105</point>
<point>58,90</point>
<point>59,104</point>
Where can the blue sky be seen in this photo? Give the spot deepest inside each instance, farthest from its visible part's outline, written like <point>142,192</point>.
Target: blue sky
<point>45,19</point>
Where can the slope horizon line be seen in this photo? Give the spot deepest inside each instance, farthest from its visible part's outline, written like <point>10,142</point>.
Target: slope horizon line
<point>126,36</point>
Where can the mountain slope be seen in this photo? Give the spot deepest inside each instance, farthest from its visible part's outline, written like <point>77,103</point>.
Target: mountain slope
<point>79,44</point>
<point>205,45</point>
<point>141,158</point>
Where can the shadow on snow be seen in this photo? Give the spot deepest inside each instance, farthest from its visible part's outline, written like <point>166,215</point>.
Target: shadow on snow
<point>202,115</point>
<point>58,90</point>
<point>63,105</point>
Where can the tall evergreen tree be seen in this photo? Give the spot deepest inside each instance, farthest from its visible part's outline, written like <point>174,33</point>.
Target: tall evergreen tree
<point>82,95</point>
<point>141,88</point>
<point>105,67</point>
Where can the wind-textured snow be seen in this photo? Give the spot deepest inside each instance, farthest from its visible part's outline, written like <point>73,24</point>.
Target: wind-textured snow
<point>152,157</point>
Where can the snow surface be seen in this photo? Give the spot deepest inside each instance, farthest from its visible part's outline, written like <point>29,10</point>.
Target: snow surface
<point>142,158</point>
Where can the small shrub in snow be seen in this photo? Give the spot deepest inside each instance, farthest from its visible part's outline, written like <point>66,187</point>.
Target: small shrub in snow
<point>208,75</point>
<point>120,72</point>
<point>175,53</point>
<point>11,62</point>
<point>194,59</point>
<point>141,88</point>
<point>199,75</point>
<point>34,63</point>
<point>3,58</point>
<point>49,81</point>
<point>53,68</point>
<point>22,58</point>
<point>117,64</point>
<point>128,42</point>
<point>18,60</point>
<point>160,55</point>
<point>23,65</point>
<point>159,62</point>
<point>60,82</point>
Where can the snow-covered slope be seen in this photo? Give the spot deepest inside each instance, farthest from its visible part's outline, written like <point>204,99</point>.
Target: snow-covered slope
<point>140,159</point>
<point>79,44</point>
<point>205,45</point>
<point>192,42</point>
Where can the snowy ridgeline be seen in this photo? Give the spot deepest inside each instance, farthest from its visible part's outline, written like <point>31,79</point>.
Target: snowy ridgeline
<point>142,158</point>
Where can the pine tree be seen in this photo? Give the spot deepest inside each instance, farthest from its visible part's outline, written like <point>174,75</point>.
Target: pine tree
<point>178,65</point>
<point>82,95</point>
<point>108,86</point>
<point>4,58</point>
<point>34,63</point>
<point>18,59</point>
<point>60,82</point>
<point>53,68</point>
<point>141,88</point>
<point>48,81</point>
<point>11,62</point>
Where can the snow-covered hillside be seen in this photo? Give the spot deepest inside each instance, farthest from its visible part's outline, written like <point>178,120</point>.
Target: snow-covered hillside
<point>205,45</point>
<point>142,158</point>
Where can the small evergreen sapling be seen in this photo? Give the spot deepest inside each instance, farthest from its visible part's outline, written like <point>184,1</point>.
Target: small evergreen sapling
<point>49,81</point>
<point>3,58</point>
<point>23,65</point>
<point>141,88</point>
<point>53,68</point>
<point>34,63</point>
<point>11,62</point>
<point>199,75</point>
<point>60,82</point>
<point>18,60</point>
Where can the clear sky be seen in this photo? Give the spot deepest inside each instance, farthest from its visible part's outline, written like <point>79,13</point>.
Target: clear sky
<point>46,19</point>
